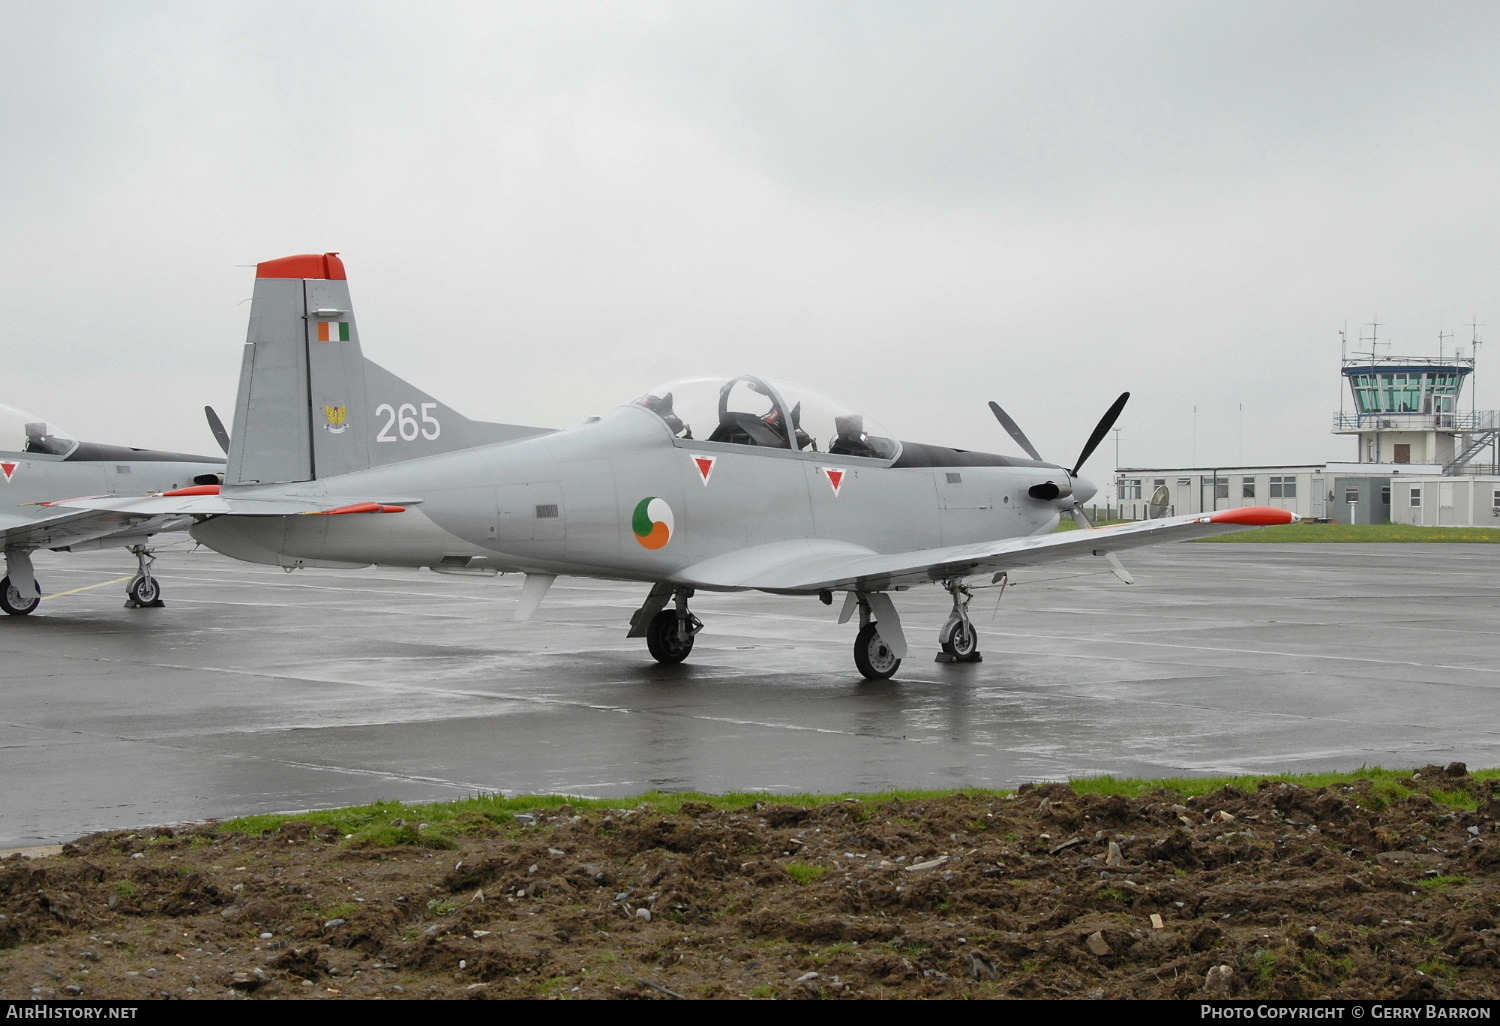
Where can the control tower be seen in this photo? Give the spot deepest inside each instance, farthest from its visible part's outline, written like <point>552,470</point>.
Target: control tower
<point>1407,410</point>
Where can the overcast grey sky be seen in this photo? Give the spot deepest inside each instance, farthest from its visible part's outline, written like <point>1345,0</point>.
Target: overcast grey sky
<point>547,207</point>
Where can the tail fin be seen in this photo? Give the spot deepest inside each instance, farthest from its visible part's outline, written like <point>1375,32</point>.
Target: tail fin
<point>310,405</point>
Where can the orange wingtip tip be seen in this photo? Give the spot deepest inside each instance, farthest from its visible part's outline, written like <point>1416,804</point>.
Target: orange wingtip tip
<point>304,265</point>
<point>358,507</point>
<point>194,490</point>
<point>1254,516</point>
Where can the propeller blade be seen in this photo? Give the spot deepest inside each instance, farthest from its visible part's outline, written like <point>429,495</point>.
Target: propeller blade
<point>217,427</point>
<point>1015,432</point>
<point>1116,567</point>
<point>1105,423</point>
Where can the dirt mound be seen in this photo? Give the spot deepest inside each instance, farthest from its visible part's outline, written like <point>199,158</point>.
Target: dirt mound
<point>1287,892</point>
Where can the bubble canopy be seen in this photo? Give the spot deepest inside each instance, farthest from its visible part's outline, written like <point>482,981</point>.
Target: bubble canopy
<point>23,432</point>
<point>753,411</point>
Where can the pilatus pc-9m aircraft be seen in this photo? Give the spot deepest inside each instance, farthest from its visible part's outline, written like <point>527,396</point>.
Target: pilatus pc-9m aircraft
<point>40,461</point>
<point>723,484</point>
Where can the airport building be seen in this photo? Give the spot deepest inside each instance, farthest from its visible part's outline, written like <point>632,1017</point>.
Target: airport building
<point>1421,458</point>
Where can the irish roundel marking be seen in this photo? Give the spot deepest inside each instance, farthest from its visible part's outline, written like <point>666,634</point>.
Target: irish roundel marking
<point>835,478</point>
<point>9,469</point>
<point>652,522</point>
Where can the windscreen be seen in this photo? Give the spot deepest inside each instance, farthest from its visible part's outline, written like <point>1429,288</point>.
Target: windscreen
<point>24,432</point>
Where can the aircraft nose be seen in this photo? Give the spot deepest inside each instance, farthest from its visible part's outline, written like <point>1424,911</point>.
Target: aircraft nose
<point>1084,489</point>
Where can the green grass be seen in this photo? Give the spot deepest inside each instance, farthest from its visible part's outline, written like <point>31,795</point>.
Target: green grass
<point>1308,532</point>
<point>437,825</point>
<point>804,873</point>
<point>1458,799</point>
<point>1433,883</point>
<point>1067,524</point>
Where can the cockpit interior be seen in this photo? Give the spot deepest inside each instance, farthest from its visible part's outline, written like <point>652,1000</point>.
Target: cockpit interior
<point>748,410</point>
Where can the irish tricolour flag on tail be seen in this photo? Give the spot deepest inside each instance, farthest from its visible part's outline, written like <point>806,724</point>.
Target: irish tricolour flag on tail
<point>333,331</point>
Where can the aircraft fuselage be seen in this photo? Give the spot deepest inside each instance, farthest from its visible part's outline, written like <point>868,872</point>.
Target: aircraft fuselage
<point>588,500</point>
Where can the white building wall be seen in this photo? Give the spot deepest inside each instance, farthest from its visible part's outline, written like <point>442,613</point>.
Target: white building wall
<point>1460,501</point>
<point>1300,489</point>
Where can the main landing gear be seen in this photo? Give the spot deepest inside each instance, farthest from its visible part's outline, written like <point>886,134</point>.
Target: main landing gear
<point>669,633</point>
<point>20,593</point>
<point>880,644</point>
<point>16,604</point>
<point>143,591</point>
<point>958,638</point>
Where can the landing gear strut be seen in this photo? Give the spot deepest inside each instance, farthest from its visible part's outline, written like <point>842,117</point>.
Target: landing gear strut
<point>669,633</point>
<point>144,591</point>
<point>958,638</point>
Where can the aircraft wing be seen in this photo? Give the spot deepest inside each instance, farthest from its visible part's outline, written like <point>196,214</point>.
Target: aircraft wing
<point>75,527</point>
<point>813,565</point>
<point>215,505</point>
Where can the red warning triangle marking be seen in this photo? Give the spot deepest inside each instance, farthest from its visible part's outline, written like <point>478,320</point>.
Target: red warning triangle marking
<point>9,468</point>
<point>705,466</point>
<point>835,478</point>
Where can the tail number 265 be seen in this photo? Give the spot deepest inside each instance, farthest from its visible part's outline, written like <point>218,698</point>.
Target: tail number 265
<point>403,421</point>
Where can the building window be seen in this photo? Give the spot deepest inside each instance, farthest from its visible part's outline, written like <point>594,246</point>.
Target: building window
<point>1221,487</point>
<point>1416,497</point>
<point>1284,487</point>
<point>1385,495</point>
<point>1184,482</point>
<point>1351,494</point>
<point>1130,488</point>
<point>1247,488</point>
<point>1496,498</point>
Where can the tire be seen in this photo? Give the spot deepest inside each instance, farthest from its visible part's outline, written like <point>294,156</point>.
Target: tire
<point>959,639</point>
<point>662,639</point>
<point>12,602</point>
<point>873,657</point>
<point>144,591</point>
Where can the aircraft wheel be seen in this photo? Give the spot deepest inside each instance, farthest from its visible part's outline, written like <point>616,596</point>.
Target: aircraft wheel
<point>663,640</point>
<point>873,656</point>
<point>959,639</point>
<point>12,602</point>
<point>144,591</point>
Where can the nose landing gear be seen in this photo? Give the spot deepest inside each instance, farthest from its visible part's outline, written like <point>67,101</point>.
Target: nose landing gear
<point>144,591</point>
<point>958,638</point>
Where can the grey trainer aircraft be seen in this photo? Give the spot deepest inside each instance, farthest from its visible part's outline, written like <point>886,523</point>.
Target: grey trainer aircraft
<point>723,484</point>
<point>40,462</point>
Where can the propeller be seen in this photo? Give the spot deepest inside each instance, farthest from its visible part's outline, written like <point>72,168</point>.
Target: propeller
<point>1050,491</point>
<point>217,427</point>
<point>1016,432</point>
